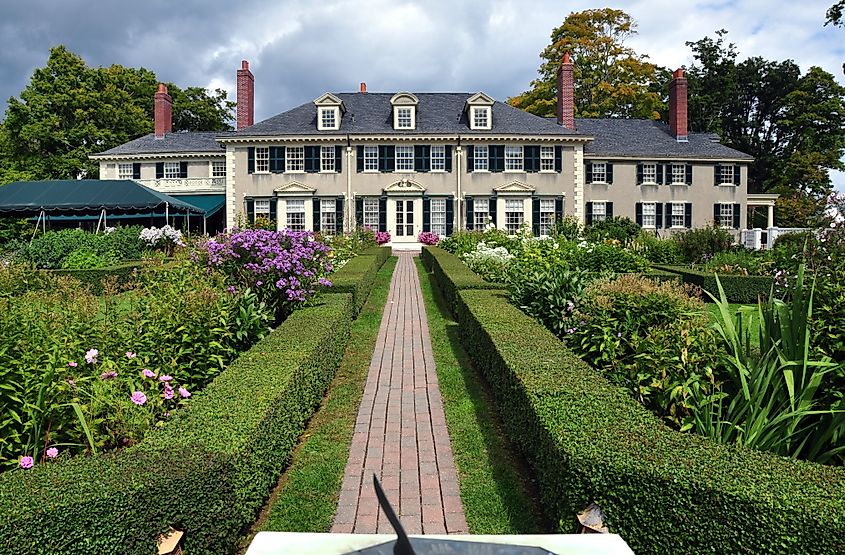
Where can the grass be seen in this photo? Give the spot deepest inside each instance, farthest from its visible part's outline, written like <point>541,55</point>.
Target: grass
<point>495,484</point>
<point>749,312</point>
<point>306,497</point>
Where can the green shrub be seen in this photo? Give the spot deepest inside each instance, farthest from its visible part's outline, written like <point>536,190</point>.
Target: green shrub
<point>550,295</point>
<point>601,258</point>
<point>49,250</point>
<point>451,274</point>
<point>357,276</point>
<point>739,261</point>
<point>701,244</point>
<point>617,228</point>
<point>656,250</point>
<point>568,228</point>
<point>739,289</point>
<point>118,276</point>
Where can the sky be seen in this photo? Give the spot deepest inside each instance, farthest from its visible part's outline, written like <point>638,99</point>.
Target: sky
<point>299,49</point>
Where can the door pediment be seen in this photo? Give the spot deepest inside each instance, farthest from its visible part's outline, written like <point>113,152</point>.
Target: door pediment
<point>404,187</point>
<point>514,187</point>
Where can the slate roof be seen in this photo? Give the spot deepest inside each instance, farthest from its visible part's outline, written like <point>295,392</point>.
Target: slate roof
<point>171,143</point>
<point>649,138</point>
<point>437,113</point>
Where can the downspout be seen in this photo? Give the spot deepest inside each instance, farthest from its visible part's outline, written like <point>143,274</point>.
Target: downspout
<point>458,214</point>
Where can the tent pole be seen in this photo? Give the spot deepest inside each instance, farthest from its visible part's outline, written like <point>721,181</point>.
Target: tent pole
<point>204,222</point>
<point>188,217</point>
<point>35,231</point>
<point>166,213</point>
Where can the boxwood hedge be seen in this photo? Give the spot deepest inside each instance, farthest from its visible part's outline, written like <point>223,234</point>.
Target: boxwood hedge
<point>451,274</point>
<point>358,275</point>
<point>738,289</point>
<point>94,277</point>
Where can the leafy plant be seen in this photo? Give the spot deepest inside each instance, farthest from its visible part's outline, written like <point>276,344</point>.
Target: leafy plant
<point>490,262</point>
<point>702,243</point>
<point>617,228</point>
<point>550,295</point>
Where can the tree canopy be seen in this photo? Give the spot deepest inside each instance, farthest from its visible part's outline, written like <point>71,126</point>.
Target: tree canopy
<point>611,79</point>
<point>70,110</point>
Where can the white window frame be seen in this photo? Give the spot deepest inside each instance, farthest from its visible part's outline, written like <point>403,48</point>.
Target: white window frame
<point>371,213</point>
<point>679,214</point>
<point>438,158</point>
<point>480,117</point>
<point>172,170</point>
<point>726,174</point>
<point>295,214</point>
<point>404,117</point>
<point>327,159</point>
<point>437,216</point>
<point>649,219</point>
<point>294,159</point>
<point>328,215</point>
<point>261,208</point>
<point>514,158</point>
<point>262,159</point>
<point>122,172</point>
<point>481,206</point>
<point>370,158</point>
<point>480,158</point>
<point>218,168</point>
<point>678,170</point>
<point>329,118</point>
<point>649,173</point>
<point>599,169</point>
<point>547,158</point>
<point>547,215</point>
<point>403,158</point>
<point>726,217</point>
<point>514,214</point>
<point>599,211</point>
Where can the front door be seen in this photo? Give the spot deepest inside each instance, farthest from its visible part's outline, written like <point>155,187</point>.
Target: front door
<point>406,221</point>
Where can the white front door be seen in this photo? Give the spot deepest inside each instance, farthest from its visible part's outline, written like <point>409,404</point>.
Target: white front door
<point>405,218</point>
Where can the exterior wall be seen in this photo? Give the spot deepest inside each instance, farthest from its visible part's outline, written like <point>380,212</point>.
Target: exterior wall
<point>197,167</point>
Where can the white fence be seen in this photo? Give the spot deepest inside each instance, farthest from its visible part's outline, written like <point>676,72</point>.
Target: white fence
<point>759,239</point>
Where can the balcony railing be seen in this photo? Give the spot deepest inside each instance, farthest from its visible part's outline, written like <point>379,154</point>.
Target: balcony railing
<point>187,184</point>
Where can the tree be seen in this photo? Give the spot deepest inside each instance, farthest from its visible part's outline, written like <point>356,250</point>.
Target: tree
<point>70,110</point>
<point>835,14</point>
<point>611,80</point>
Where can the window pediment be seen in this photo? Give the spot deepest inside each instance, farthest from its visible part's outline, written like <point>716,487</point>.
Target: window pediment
<point>294,188</point>
<point>328,99</point>
<point>480,99</point>
<point>514,187</point>
<point>404,99</point>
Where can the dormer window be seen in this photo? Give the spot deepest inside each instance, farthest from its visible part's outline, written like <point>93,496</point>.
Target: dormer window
<point>479,109</point>
<point>480,117</point>
<point>404,118</point>
<point>404,110</point>
<point>328,118</point>
<point>329,110</point>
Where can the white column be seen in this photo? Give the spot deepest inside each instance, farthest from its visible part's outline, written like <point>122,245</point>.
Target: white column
<point>457,213</point>
<point>349,216</point>
<point>231,206</point>
<point>578,201</point>
<point>771,216</point>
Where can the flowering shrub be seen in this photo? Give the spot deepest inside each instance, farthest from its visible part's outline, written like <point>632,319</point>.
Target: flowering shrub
<point>428,238</point>
<point>491,263</point>
<point>282,267</point>
<point>382,238</point>
<point>164,238</point>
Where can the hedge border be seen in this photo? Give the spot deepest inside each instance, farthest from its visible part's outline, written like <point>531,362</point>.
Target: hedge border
<point>93,277</point>
<point>738,289</point>
<point>452,275</point>
<point>358,275</point>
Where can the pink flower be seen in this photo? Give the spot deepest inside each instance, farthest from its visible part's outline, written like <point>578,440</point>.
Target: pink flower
<point>184,392</point>
<point>27,462</point>
<point>165,378</point>
<point>130,355</point>
<point>72,364</point>
<point>91,356</point>
<point>148,373</point>
<point>52,452</point>
<point>71,382</point>
<point>168,392</point>
<point>108,375</point>
<point>139,398</point>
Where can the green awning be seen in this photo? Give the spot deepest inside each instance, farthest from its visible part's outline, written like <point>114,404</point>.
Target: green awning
<point>209,204</point>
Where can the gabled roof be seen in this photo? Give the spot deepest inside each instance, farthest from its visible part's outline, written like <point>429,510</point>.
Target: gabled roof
<point>171,143</point>
<point>372,114</point>
<point>638,138</point>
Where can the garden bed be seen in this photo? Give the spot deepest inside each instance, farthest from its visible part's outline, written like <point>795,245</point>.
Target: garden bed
<point>738,289</point>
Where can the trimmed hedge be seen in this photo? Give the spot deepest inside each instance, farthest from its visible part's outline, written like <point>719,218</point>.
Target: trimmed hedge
<point>662,491</point>
<point>738,289</point>
<point>93,277</point>
<point>452,275</point>
<point>208,471</point>
<point>358,275</point>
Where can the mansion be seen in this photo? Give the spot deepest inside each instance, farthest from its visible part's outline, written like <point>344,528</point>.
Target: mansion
<point>412,162</point>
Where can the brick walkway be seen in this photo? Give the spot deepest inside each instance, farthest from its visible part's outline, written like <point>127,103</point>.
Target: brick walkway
<point>400,434</point>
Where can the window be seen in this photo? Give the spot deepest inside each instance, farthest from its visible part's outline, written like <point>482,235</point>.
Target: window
<point>599,174</point>
<point>678,214</point>
<point>480,159</point>
<point>438,216</point>
<point>599,210</point>
<point>727,175</point>
<point>295,213</point>
<point>480,118</point>
<point>404,158</point>
<point>171,170</point>
<point>370,158</point>
<point>218,168</point>
<point>679,173</point>
<point>514,215</point>
<point>295,159</point>
<point>438,158</point>
<point>328,118</point>
<point>404,118</point>
<point>371,213</point>
<point>262,208</point>
<point>513,158</point>
<point>547,215</point>
<point>328,216</point>
<point>124,171</point>
<point>547,158</point>
<point>649,173</point>
<point>726,215</point>
<point>327,159</point>
<point>481,214</point>
<point>649,214</point>
<point>262,159</point>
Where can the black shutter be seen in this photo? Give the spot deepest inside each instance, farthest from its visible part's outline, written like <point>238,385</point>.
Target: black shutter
<point>382,214</point>
<point>277,159</point>
<point>716,209</point>
<point>667,212</point>
<point>638,209</point>
<point>183,170</point>
<point>588,171</point>
<point>136,170</point>
<point>470,158</point>
<point>426,214</point>
<point>639,174</point>
<point>535,216</point>
<point>608,207</point>
<point>159,170</point>
<point>448,149</point>
<point>338,158</point>
<point>737,175</point>
<point>658,215</point>
<point>496,160</point>
<point>492,211</point>
<point>250,210</point>
<point>659,177</point>
<point>737,213</point>
<point>315,208</point>
<point>531,158</point>
<point>450,216</point>
<point>470,211</point>
<point>386,155</point>
<point>609,174</point>
<point>273,212</point>
<point>588,213</point>
<point>359,212</point>
<point>689,174</point>
<point>422,158</point>
<point>250,160</point>
<point>312,159</point>
<point>717,174</point>
<point>360,159</point>
<point>558,208</point>
<point>558,159</point>
<point>688,215</point>
<point>338,208</point>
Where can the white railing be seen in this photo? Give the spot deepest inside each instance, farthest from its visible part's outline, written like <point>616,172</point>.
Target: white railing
<point>758,239</point>
<point>187,184</point>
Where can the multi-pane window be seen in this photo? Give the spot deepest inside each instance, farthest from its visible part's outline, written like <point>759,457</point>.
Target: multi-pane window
<point>599,172</point>
<point>124,171</point>
<point>679,173</point>
<point>438,158</point>
<point>327,159</point>
<point>371,213</point>
<point>547,215</point>
<point>438,216</point>
<point>171,170</point>
<point>599,211</point>
<point>262,159</point>
<point>370,158</point>
<point>327,118</point>
<point>262,208</point>
<point>480,160</point>
<point>405,158</point>
<point>481,213</point>
<point>480,118</point>
<point>404,118</point>
<point>514,214</point>
<point>726,215</point>
<point>678,214</point>
<point>547,158</point>
<point>513,158</point>
<point>649,214</point>
<point>295,159</point>
<point>218,168</point>
<point>295,214</point>
<point>727,175</point>
<point>649,173</point>
<point>328,216</point>
<point>404,218</point>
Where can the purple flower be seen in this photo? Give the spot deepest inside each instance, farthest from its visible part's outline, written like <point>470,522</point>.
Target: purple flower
<point>259,283</point>
<point>184,393</point>
<point>165,378</point>
<point>324,282</point>
<point>130,355</point>
<point>91,356</point>
<point>139,398</point>
<point>619,334</point>
<point>570,306</point>
<point>231,289</point>
<point>147,373</point>
<point>72,364</point>
<point>571,330</point>
<point>108,375</point>
<point>27,462</point>
<point>52,452</point>
<point>168,392</point>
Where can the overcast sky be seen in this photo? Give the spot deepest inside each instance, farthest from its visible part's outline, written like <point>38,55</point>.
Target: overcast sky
<point>298,50</point>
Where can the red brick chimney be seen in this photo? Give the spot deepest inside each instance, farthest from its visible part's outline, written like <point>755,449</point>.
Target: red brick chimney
<point>163,112</point>
<point>678,125</point>
<point>363,87</point>
<point>246,96</point>
<point>566,93</point>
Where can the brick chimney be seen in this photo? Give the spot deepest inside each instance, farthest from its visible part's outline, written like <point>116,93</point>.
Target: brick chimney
<point>363,87</point>
<point>566,93</point>
<point>678,125</point>
<point>163,112</point>
<point>246,96</point>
